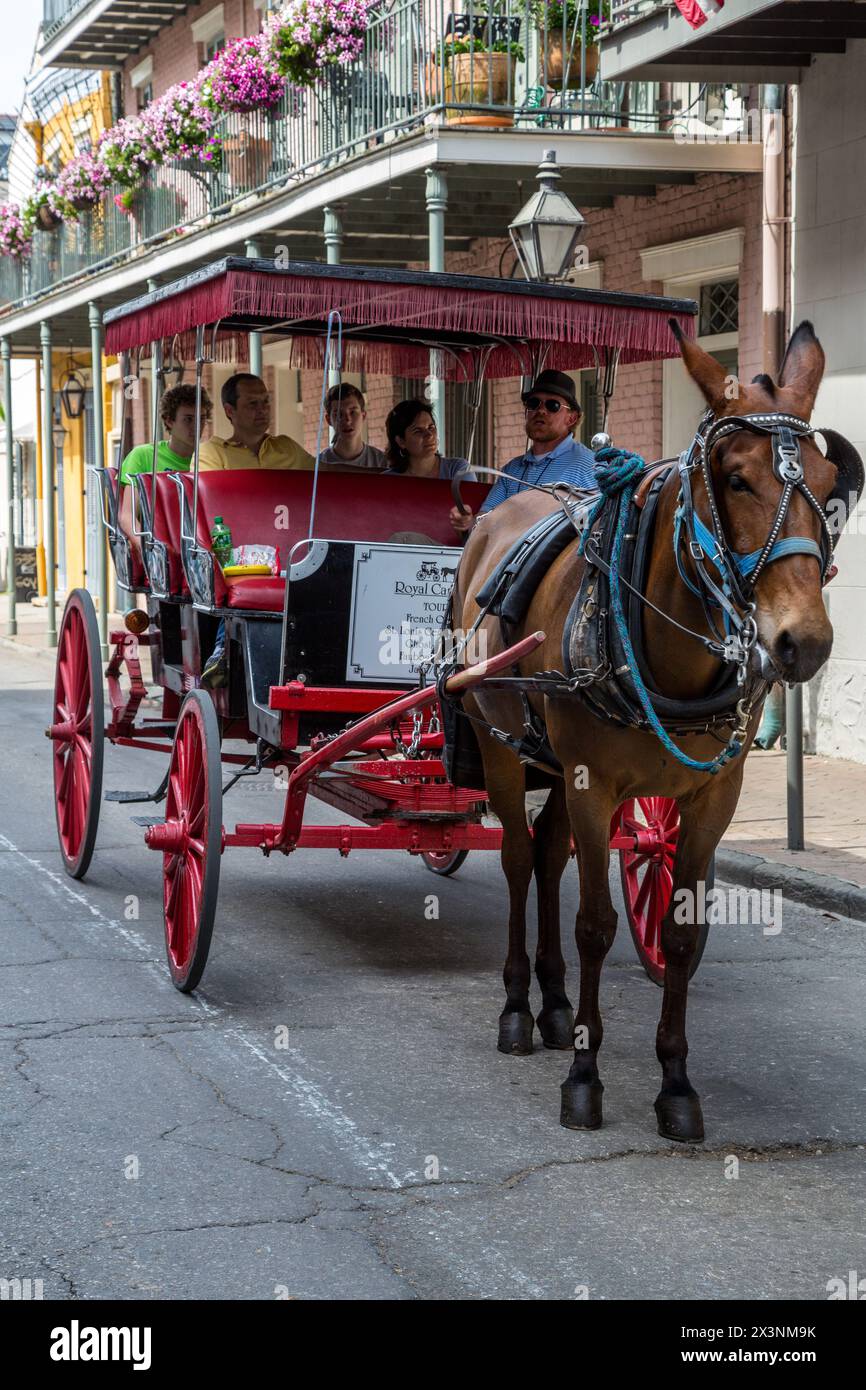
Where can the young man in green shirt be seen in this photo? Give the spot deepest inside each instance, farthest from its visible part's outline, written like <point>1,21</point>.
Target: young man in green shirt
<point>177,411</point>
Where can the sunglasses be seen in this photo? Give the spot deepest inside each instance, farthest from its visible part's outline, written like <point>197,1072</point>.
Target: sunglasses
<point>552,407</point>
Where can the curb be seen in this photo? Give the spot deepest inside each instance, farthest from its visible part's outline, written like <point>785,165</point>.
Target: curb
<point>804,885</point>
<point>13,644</point>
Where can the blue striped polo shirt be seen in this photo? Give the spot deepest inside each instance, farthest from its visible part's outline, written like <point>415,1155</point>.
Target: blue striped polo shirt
<point>570,462</point>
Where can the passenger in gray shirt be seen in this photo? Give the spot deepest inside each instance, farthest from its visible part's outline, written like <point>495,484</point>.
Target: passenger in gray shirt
<point>413,444</point>
<point>347,411</point>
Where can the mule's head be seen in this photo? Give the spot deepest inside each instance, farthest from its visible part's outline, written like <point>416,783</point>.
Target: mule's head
<point>793,625</point>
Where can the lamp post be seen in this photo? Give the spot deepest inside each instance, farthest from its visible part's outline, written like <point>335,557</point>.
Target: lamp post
<point>546,230</point>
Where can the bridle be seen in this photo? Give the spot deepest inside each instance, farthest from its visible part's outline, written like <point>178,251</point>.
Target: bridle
<point>733,592</point>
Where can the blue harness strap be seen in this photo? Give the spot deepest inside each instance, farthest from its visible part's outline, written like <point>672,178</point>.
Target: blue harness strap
<point>618,476</point>
<point>789,545</point>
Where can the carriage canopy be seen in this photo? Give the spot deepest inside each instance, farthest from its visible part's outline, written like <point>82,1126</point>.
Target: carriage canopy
<point>391,319</point>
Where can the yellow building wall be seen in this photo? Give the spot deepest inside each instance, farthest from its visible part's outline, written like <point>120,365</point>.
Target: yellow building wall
<point>97,105</point>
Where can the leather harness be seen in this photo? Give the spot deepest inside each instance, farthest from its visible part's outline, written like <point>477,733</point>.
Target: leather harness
<point>594,661</point>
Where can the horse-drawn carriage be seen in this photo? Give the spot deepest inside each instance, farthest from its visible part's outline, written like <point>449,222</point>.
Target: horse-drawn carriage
<point>320,685</point>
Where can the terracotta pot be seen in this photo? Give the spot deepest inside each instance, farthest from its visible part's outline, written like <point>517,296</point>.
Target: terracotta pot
<point>480,79</point>
<point>247,155</point>
<point>557,54</point>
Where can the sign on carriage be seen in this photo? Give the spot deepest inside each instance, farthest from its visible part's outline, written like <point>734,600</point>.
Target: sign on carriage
<point>399,597</point>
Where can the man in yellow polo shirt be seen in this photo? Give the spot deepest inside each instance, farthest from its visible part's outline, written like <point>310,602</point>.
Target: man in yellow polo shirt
<point>247,404</point>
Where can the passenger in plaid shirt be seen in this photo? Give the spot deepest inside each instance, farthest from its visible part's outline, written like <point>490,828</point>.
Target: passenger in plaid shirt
<point>554,455</point>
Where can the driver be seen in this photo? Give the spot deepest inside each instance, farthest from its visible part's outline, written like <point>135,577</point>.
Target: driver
<point>554,455</point>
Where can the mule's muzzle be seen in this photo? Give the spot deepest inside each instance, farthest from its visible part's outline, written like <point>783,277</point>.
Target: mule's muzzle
<point>798,655</point>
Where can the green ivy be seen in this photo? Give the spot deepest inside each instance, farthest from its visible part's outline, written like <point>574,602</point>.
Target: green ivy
<point>456,46</point>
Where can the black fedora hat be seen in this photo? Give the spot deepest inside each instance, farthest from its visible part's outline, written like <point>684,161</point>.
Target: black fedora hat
<point>555,384</point>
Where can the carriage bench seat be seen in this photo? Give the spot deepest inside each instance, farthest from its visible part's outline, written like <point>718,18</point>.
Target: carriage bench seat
<point>272,507</point>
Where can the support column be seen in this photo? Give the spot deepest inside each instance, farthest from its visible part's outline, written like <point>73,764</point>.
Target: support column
<point>437,206</point>
<point>257,364</point>
<point>49,532</point>
<point>95,319</point>
<point>6,354</point>
<point>155,379</point>
<point>334,256</point>
<point>333,236</point>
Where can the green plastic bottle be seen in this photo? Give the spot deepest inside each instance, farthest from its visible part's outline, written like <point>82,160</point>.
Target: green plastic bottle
<point>221,540</point>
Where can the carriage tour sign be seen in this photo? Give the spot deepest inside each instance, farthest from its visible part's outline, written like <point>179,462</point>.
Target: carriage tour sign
<point>400,597</point>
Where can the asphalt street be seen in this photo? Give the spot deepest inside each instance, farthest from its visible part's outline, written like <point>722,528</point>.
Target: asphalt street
<point>328,1116</point>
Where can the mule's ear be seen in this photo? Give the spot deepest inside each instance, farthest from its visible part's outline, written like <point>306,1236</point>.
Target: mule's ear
<point>803,367</point>
<point>705,371</point>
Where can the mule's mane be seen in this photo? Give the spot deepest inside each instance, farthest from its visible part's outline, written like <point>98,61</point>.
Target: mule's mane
<point>766,382</point>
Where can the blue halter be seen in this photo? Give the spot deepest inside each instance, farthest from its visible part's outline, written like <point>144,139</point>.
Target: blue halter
<point>744,563</point>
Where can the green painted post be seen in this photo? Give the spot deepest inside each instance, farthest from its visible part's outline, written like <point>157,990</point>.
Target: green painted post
<point>49,525</point>
<point>95,319</point>
<point>6,353</point>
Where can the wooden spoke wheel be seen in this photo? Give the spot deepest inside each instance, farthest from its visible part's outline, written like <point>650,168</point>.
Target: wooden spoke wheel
<point>646,872</point>
<point>191,840</point>
<point>444,864</point>
<point>77,733</point>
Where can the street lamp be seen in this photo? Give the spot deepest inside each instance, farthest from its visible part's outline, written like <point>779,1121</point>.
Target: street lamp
<point>58,434</point>
<point>546,230</point>
<point>73,391</point>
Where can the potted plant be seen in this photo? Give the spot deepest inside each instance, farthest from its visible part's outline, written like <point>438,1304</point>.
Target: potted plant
<point>480,72</point>
<point>561,33</point>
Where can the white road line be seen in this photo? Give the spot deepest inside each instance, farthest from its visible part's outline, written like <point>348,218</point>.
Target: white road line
<point>311,1098</point>
<point>371,1157</point>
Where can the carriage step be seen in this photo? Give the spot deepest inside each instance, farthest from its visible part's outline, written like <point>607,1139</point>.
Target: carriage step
<point>133,798</point>
<point>146,821</point>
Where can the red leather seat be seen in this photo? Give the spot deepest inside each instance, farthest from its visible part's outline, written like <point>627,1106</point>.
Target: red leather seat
<point>256,591</point>
<point>272,507</point>
<point>166,526</point>
<point>123,500</point>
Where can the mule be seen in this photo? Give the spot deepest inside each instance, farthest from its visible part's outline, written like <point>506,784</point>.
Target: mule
<point>604,763</point>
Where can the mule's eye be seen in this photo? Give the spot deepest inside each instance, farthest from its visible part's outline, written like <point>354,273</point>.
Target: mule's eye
<point>737,483</point>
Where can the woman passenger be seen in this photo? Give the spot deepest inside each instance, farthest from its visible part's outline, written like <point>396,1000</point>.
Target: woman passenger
<point>413,445</point>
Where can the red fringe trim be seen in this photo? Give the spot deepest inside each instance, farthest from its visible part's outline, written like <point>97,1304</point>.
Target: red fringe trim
<point>571,328</point>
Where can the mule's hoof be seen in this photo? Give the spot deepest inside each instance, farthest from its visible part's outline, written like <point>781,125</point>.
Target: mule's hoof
<point>515,1034</point>
<point>556,1027</point>
<point>581,1104</point>
<point>680,1117</point>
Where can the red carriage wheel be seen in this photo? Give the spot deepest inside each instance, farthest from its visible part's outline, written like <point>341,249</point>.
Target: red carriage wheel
<point>77,733</point>
<point>646,872</point>
<point>191,840</point>
<point>446,863</point>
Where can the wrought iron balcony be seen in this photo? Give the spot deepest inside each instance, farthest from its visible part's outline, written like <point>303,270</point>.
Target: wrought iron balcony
<point>407,79</point>
<point>749,41</point>
<point>102,33</point>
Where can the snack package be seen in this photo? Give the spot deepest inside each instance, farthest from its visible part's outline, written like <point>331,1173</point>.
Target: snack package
<point>245,556</point>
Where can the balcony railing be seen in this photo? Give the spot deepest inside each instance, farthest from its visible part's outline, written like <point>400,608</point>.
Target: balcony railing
<point>55,13</point>
<point>405,77</point>
<point>626,11</point>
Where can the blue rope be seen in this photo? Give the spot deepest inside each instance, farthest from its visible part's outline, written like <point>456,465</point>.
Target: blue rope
<point>618,473</point>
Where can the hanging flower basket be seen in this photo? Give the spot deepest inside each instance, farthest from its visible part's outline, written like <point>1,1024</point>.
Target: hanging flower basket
<point>46,219</point>
<point>307,36</point>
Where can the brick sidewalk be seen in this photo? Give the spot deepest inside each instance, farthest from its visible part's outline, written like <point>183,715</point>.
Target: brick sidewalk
<point>835,791</point>
<point>834,795</point>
